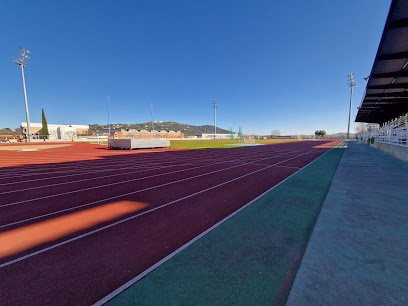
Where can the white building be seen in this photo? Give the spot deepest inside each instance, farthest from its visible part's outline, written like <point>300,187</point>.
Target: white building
<point>56,131</point>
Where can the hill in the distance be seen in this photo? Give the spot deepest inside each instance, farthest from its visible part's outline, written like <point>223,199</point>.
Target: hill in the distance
<point>187,129</point>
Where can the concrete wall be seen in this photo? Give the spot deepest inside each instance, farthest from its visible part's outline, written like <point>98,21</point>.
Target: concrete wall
<point>396,151</point>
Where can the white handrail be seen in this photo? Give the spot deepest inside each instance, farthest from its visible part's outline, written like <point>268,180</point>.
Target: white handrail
<point>393,132</point>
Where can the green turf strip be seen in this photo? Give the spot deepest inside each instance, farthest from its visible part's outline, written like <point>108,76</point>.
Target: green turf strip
<point>252,258</point>
<point>218,143</point>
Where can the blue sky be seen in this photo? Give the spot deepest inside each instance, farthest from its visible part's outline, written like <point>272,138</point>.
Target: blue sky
<point>269,64</point>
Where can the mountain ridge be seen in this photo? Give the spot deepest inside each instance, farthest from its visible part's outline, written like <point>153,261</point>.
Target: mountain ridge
<point>187,129</point>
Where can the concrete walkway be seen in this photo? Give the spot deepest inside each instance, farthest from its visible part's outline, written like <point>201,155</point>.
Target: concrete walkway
<point>358,251</point>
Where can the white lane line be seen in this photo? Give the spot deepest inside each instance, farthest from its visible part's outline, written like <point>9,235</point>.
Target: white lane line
<point>127,194</point>
<point>103,177</point>
<point>103,186</point>
<point>40,173</point>
<point>74,171</point>
<point>129,173</point>
<point>84,173</point>
<point>289,167</point>
<point>63,165</point>
<point>138,277</point>
<point>262,164</point>
<point>18,259</point>
<point>88,165</point>
<point>121,161</point>
<point>78,173</point>
<point>68,169</point>
<point>125,159</point>
<point>74,167</point>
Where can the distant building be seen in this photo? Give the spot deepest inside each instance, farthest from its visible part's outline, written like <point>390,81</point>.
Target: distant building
<point>132,133</point>
<point>219,136</point>
<point>56,131</point>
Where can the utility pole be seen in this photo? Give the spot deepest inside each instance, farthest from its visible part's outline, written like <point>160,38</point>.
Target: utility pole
<point>22,61</point>
<point>214,105</point>
<point>350,83</point>
<point>107,109</point>
<point>151,116</point>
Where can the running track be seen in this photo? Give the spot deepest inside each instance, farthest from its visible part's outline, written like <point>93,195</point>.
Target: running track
<point>78,222</point>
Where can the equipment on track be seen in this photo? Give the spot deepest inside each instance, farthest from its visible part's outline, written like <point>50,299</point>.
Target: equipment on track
<point>138,143</point>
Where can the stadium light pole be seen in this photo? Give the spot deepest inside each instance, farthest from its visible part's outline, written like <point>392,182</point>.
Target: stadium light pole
<point>107,110</point>
<point>214,105</point>
<point>151,116</point>
<point>350,83</point>
<point>22,61</point>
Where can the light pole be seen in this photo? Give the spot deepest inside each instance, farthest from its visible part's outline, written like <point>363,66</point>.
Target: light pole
<point>22,61</point>
<point>107,109</point>
<point>350,83</point>
<point>151,116</point>
<point>214,105</point>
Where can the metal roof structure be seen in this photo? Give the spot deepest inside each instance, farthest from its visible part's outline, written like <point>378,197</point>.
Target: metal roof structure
<point>386,95</point>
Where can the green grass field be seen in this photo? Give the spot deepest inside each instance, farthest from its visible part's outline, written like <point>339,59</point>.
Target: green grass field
<point>218,143</point>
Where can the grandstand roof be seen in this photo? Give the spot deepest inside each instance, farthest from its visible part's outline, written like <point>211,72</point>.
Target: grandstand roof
<point>386,95</point>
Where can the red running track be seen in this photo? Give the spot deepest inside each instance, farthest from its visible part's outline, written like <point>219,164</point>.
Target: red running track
<point>77,227</point>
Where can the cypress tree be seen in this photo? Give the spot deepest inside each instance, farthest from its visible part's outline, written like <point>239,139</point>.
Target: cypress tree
<point>44,129</point>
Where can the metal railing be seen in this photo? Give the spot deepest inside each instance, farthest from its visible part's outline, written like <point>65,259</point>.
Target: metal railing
<point>393,132</point>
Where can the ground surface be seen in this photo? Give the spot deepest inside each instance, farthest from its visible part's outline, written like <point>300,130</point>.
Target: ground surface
<point>30,147</point>
<point>358,252</point>
<point>175,144</point>
<point>252,258</point>
<point>220,143</point>
<point>78,222</point>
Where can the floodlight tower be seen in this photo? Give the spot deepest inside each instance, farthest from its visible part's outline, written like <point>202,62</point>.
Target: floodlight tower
<point>350,83</point>
<point>107,110</point>
<point>214,105</point>
<point>22,61</point>
<point>151,116</point>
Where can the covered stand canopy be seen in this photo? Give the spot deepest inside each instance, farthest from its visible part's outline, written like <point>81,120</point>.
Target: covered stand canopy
<point>386,95</point>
